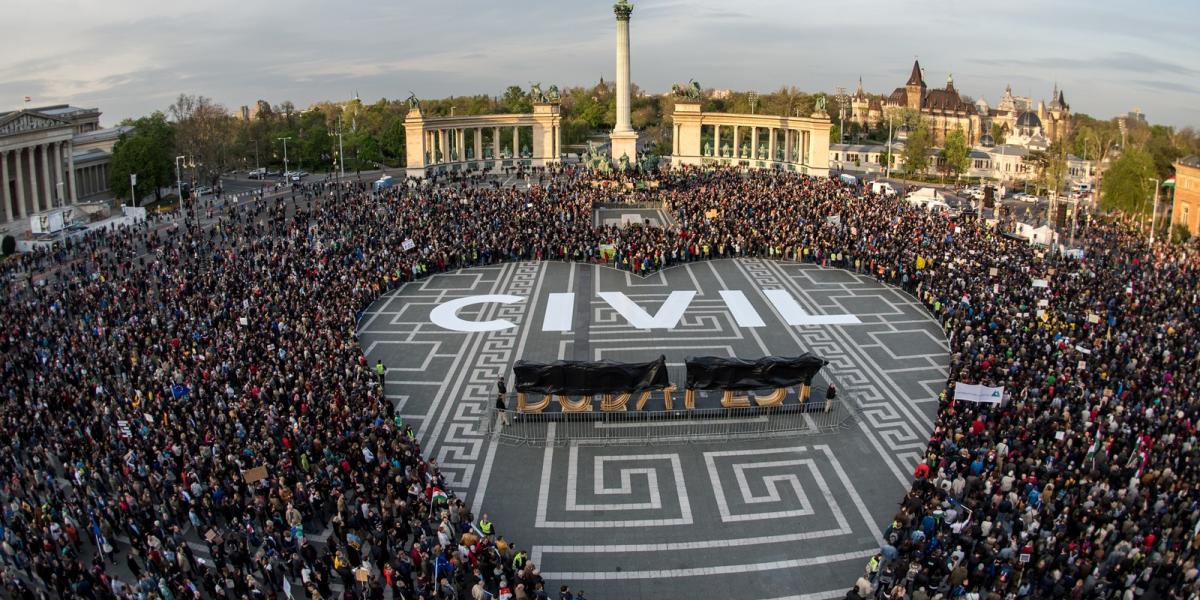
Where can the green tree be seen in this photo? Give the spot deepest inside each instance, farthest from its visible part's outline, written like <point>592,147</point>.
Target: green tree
<point>956,155</point>
<point>916,148</point>
<point>998,135</point>
<point>1128,185</point>
<point>1180,233</point>
<point>148,151</point>
<point>205,133</point>
<point>516,100</point>
<point>313,146</point>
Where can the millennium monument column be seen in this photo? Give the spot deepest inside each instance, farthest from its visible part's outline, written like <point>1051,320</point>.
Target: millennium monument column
<point>623,138</point>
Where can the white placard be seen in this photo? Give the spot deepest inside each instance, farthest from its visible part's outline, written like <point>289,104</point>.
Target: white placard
<point>970,392</point>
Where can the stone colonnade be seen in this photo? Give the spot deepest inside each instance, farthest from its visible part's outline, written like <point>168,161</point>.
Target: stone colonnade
<point>798,144</point>
<point>748,142</point>
<point>36,178</point>
<point>462,144</point>
<point>457,143</point>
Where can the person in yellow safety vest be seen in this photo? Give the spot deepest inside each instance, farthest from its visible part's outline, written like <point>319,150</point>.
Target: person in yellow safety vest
<point>486,528</point>
<point>873,568</point>
<point>380,370</point>
<point>518,560</point>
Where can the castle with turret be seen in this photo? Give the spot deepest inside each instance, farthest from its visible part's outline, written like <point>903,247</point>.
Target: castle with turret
<point>945,109</point>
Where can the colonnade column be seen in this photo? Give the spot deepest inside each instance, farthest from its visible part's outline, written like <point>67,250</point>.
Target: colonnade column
<point>754,142</point>
<point>56,160</point>
<point>47,199</point>
<point>771,145</point>
<point>33,183</point>
<point>4,187</point>
<point>495,143</point>
<point>478,143</point>
<point>516,145</point>
<point>71,171</point>
<point>20,182</point>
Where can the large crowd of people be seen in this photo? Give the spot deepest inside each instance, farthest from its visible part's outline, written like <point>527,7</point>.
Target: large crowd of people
<point>196,379</point>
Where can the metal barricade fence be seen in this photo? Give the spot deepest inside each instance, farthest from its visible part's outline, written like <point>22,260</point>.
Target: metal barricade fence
<point>679,425</point>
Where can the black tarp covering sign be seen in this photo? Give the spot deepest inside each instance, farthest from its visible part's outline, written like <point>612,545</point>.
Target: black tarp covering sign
<point>718,373</point>
<point>581,378</point>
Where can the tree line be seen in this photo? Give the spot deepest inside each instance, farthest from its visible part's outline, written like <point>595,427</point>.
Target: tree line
<point>213,140</point>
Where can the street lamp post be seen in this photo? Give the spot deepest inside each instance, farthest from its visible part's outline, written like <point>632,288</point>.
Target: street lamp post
<point>887,170</point>
<point>285,160</point>
<point>341,159</point>
<point>1153,209</point>
<point>178,180</point>
<point>256,167</point>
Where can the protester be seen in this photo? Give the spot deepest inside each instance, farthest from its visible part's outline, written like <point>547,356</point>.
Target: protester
<point>197,379</point>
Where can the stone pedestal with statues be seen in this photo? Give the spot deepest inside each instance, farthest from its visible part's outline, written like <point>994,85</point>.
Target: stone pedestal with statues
<point>623,139</point>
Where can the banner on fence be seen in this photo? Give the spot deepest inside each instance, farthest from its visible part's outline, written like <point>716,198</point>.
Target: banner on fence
<point>572,377</point>
<point>720,373</point>
<point>970,392</point>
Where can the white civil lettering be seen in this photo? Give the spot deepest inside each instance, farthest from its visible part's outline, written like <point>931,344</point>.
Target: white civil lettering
<point>559,309</point>
<point>668,314</point>
<point>446,315</point>
<point>793,314</point>
<point>739,306</point>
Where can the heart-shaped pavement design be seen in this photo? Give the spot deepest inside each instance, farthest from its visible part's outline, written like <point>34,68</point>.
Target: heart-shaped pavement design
<point>803,512</point>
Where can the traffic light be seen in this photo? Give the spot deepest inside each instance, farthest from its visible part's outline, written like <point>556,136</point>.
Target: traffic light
<point>989,197</point>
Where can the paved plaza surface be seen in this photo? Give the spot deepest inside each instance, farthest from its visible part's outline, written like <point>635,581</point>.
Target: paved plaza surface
<point>752,518</point>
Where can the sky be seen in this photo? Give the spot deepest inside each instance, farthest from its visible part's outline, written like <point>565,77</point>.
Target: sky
<point>131,57</point>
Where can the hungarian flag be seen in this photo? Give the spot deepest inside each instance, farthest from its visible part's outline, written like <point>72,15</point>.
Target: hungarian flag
<point>1095,444</point>
<point>438,495</point>
<point>1142,456</point>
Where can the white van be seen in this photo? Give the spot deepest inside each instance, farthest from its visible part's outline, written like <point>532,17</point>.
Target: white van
<point>883,188</point>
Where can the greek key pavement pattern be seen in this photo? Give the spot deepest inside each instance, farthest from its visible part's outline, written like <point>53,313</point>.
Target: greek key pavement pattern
<point>753,518</point>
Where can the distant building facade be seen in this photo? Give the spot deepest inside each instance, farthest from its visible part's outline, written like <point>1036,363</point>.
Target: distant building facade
<point>1186,211</point>
<point>52,156</point>
<point>945,109</point>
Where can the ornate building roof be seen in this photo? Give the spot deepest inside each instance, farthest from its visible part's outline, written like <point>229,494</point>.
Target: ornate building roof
<point>915,77</point>
<point>1029,119</point>
<point>859,94</point>
<point>1059,103</point>
<point>946,100</point>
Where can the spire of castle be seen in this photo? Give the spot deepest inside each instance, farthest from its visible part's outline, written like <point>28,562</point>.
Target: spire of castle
<point>915,78</point>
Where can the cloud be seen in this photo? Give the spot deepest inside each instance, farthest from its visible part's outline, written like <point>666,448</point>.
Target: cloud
<point>1118,61</point>
<point>1167,86</point>
<point>133,56</point>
